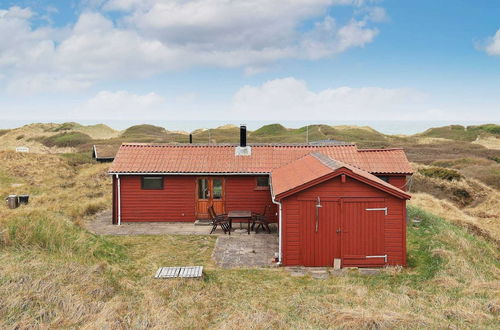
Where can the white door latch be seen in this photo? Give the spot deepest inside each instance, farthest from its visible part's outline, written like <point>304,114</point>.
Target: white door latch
<point>379,209</point>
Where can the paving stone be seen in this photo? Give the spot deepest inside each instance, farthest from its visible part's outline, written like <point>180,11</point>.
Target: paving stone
<point>369,271</point>
<point>318,275</point>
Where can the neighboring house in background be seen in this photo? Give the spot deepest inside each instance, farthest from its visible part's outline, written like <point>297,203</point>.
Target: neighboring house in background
<point>331,201</point>
<point>104,152</point>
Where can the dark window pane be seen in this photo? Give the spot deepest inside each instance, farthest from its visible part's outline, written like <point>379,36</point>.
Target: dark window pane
<point>217,188</point>
<point>202,188</point>
<point>152,182</point>
<point>384,178</point>
<point>263,181</point>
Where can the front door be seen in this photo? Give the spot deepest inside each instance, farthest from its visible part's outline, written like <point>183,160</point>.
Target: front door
<point>209,191</point>
<point>320,232</point>
<point>363,233</point>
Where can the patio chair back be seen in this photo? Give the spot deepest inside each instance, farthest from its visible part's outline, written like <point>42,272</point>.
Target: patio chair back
<point>266,210</point>
<point>211,212</point>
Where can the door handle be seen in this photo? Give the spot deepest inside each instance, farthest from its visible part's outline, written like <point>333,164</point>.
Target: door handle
<point>339,231</point>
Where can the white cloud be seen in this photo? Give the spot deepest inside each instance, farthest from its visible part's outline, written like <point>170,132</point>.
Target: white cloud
<point>157,36</point>
<point>291,99</point>
<point>492,46</point>
<point>120,105</point>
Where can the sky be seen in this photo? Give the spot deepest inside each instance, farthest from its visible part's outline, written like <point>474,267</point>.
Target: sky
<point>250,60</point>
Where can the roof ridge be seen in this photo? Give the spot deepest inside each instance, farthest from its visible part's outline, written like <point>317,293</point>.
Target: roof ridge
<point>257,145</point>
<point>379,149</point>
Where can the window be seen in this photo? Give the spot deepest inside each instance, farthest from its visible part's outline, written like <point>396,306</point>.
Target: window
<point>384,178</point>
<point>217,188</point>
<point>262,182</point>
<point>152,182</point>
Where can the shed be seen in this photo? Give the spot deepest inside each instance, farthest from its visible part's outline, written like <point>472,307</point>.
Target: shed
<point>332,210</point>
<point>104,152</point>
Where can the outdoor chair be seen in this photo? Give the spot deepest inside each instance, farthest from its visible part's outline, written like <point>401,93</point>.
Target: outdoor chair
<point>261,220</point>
<point>219,220</point>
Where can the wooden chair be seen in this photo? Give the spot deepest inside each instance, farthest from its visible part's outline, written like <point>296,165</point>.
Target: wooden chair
<point>261,220</point>
<point>219,220</point>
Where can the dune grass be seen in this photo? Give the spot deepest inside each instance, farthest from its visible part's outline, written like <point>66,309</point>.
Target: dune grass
<point>55,274</point>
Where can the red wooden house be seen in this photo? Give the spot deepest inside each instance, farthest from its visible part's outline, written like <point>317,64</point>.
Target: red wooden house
<point>331,201</point>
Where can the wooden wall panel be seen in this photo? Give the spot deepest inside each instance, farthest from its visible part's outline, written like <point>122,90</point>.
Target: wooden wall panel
<point>176,202</point>
<point>394,225</point>
<point>242,194</point>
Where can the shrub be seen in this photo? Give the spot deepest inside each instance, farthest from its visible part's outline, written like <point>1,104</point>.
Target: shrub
<point>4,131</point>
<point>65,127</point>
<point>440,173</point>
<point>495,158</point>
<point>78,158</point>
<point>19,137</point>
<point>71,139</point>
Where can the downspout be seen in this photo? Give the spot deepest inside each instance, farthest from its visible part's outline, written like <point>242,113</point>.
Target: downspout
<point>280,227</point>
<point>119,201</point>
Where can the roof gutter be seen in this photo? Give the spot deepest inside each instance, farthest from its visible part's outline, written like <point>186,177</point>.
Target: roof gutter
<point>280,227</point>
<point>188,173</point>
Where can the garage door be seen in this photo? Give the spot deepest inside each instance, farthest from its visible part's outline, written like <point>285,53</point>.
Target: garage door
<point>363,233</point>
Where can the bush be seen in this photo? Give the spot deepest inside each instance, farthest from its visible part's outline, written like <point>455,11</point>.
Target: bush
<point>66,127</point>
<point>71,139</point>
<point>19,137</point>
<point>440,173</point>
<point>78,158</point>
<point>4,131</point>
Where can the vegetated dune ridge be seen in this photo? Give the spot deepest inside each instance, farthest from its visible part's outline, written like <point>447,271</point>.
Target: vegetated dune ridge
<point>54,273</point>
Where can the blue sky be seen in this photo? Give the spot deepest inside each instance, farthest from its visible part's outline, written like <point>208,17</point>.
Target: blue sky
<point>254,60</point>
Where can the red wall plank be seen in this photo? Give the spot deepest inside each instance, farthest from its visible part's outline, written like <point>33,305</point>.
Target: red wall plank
<point>176,202</point>
<point>241,194</point>
<point>393,232</point>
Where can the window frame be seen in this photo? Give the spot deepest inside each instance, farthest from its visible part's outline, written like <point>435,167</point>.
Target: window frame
<point>259,187</point>
<point>152,176</point>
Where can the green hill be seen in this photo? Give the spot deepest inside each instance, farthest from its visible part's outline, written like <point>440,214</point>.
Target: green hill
<point>462,133</point>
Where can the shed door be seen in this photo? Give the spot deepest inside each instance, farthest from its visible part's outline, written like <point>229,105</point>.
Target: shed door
<point>363,234</point>
<point>320,240</point>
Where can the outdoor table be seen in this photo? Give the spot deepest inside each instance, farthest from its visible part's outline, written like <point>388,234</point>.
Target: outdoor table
<point>239,215</point>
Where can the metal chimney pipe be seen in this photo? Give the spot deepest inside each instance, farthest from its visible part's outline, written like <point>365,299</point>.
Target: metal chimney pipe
<point>243,136</point>
<point>190,138</point>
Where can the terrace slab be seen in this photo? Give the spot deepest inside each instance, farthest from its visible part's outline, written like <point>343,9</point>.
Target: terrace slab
<point>101,225</point>
<point>246,250</point>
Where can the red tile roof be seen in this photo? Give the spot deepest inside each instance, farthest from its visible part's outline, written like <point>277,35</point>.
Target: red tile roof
<point>147,158</point>
<point>315,166</point>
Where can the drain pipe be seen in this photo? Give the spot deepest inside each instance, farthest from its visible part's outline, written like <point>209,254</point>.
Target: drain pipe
<point>119,198</point>
<point>280,227</point>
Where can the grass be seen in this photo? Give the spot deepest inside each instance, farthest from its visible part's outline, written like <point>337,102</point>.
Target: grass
<point>462,133</point>
<point>78,158</point>
<point>69,139</point>
<point>55,274</point>
<point>441,173</point>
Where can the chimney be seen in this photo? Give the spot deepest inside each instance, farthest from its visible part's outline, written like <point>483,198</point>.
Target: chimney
<point>243,149</point>
<point>243,136</point>
<point>190,138</point>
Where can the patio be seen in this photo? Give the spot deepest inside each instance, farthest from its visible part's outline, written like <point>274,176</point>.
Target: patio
<point>101,225</point>
<point>231,251</point>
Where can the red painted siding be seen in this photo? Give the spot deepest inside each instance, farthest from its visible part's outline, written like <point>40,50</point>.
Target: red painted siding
<point>242,194</point>
<point>176,202</point>
<point>399,182</point>
<point>299,237</point>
